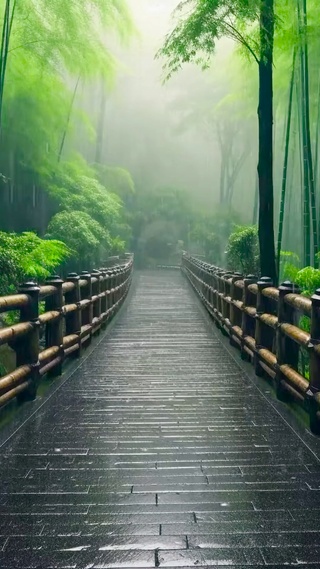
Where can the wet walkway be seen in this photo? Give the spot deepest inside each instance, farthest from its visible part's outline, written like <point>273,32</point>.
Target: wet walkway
<point>158,451</point>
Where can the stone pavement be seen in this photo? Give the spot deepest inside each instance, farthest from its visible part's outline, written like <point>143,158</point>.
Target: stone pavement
<point>159,451</point>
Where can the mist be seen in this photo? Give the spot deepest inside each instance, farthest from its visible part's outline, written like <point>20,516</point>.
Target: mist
<point>129,128</point>
<point>144,128</point>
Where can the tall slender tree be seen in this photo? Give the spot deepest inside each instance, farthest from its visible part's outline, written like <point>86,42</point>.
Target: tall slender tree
<point>9,12</point>
<point>310,212</point>
<point>65,35</point>
<point>286,160</point>
<point>194,38</point>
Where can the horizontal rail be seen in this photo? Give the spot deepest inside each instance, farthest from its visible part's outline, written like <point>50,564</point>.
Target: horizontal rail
<point>75,310</point>
<point>264,323</point>
<point>13,302</point>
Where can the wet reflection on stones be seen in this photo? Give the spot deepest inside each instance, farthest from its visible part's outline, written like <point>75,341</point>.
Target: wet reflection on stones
<point>158,451</point>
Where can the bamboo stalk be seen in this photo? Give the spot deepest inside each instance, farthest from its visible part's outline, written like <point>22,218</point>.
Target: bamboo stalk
<point>285,165</point>
<point>308,135</point>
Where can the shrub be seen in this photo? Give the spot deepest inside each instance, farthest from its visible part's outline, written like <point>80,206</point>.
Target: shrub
<point>308,279</point>
<point>83,234</point>
<point>243,250</point>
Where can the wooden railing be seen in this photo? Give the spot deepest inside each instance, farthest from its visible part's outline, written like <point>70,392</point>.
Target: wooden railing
<point>265,323</point>
<point>56,321</point>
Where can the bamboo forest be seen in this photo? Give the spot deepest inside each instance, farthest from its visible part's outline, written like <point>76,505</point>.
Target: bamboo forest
<point>133,126</point>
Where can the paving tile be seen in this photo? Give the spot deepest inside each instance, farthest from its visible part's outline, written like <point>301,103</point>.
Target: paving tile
<point>145,458</point>
<point>258,539</point>
<point>210,557</point>
<point>120,542</point>
<point>295,555</point>
<point>77,559</point>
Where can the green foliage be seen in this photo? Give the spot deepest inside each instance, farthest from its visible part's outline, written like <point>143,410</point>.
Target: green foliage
<point>210,233</point>
<point>91,218</point>
<point>68,34</point>
<point>289,265</point>
<point>39,257</point>
<point>117,180</point>
<point>243,250</point>
<point>24,256</point>
<point>84,193</point>
<point>308,279</point>
<point>40,100</point>
<point>51,46</point>
<point>160,219</point>
<point>83,234</point>
<point>201,24</point>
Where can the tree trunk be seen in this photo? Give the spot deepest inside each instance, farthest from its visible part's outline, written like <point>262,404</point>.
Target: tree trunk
<point>301,170</point>
<point>316,153</point>
<point>265,164</point>
<point>285,164</point>
<point>308,136</point>
<point>256,203</point>
<point>306,173</point>
<point>4,50</point>
<point>316,150</point>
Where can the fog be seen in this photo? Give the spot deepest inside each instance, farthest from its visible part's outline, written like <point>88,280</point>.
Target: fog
<point>103,155</point>
<point>143,129</point>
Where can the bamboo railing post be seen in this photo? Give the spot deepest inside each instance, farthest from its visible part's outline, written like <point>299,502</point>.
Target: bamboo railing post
<point>86,294</point>
<point>208,283</point>
<point>96,290</point>
<point>233,293</point>
<point>313,393</point>
<point>260,334</point>
<point>287,351</point>
<point>211,289</point>
<point>104,306</point>
<point>28,348</point>
<point>246,323</point>
<point>117,283</point>
<point>226,292</point>
<point>220,304</point>
<point>123,291</point>
<point>215,298</point>
<point>204,283</point>
<point>109,293</point>
<point>73,319</point>
<point>112,290</point>
<point>54,330</point>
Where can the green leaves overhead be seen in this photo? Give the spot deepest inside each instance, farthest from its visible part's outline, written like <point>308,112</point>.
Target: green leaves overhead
<point>201,23</point>
<point>49,46</point>
<point>69,34</point>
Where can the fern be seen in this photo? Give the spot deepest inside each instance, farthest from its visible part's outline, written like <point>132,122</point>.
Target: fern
<point>24,256</point>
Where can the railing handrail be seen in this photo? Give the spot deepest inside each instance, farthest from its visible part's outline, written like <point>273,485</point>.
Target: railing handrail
<point>75,310</point>
<point>262,321</point>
